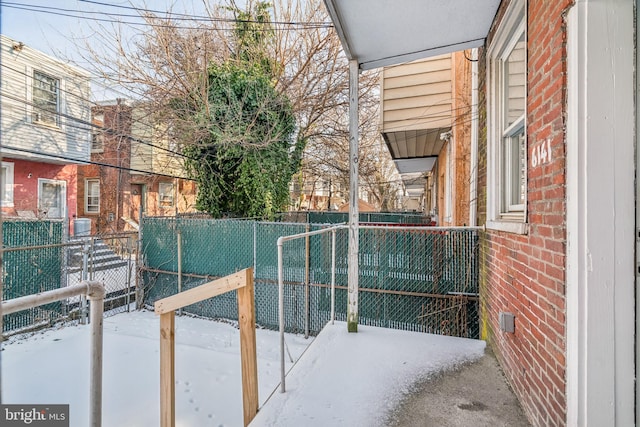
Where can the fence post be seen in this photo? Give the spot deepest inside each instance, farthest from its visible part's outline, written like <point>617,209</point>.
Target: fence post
<point>307,253</point>
<point>255,247</point>
<point>85,276</point>
<point>139,264</point>
<point>179,237</point>
<point>333,276</point>
<point>128,297</point>
<point>281,311</point>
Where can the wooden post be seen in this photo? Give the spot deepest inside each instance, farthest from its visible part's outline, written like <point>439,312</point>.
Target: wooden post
<point>243,282</point>
<point>248,356</point>
<point>167,370</point>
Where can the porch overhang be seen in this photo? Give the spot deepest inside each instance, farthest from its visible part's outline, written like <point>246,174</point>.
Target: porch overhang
<point>377,33</point>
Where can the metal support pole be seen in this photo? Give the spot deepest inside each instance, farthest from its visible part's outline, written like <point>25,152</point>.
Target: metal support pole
<point>352,307</point>
<point>281,312</point>
<point>307,253</point>
<point>255,249</point>
<point>333,276</point>
<point>139,263</point>
<point>128,299</point>
<point>179,266</point>
<point>95,389</point>
<point>84,276</point>
<point>95,291</point>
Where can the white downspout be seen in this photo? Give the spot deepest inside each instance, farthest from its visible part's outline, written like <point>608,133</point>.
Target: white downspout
<point>473,185</point>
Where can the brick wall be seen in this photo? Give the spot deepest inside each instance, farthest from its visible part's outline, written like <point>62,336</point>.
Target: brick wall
<point>525,274</point>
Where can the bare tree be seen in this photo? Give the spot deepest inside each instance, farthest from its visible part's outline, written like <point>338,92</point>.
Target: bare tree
<point>169,60</point>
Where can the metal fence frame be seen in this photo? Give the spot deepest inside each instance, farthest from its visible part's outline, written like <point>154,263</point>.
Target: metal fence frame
<point>38,257</point>
<point>214,248</point>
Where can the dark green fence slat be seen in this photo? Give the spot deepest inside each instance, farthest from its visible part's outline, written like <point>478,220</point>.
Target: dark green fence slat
<point>417,279</point>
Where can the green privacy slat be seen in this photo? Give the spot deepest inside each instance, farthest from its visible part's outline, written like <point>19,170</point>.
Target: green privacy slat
<point>29,271</point>
<point>417,279</point>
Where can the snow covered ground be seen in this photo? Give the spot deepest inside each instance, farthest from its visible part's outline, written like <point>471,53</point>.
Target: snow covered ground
<point>53,367</point>
<point>341,380</point>
<point>355,380</point>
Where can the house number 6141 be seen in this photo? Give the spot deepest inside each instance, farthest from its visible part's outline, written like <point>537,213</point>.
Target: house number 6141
<point>541,153</point>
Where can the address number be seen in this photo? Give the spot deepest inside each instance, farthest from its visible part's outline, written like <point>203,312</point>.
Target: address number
<point>541,153</point>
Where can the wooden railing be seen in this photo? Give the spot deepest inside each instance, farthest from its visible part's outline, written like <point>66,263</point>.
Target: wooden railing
<point>243,282</point>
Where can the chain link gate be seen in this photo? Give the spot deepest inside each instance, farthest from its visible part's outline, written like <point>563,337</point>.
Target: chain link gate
<point>38,257</point>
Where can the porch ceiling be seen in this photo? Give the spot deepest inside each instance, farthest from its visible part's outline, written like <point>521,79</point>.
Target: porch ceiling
<point>412,144</point>
<point>377,33</point>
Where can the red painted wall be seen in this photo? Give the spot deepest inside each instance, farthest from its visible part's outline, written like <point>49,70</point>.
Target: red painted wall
<point>525,274</point>
<point>25,185</point>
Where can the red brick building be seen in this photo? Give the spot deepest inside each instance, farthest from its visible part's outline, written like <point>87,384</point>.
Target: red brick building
<point>132,172</point>
<point>556,185</point>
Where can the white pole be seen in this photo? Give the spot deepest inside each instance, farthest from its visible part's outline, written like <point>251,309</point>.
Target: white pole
<point>333,276</point>
<point>96,300</point>
<point>352,307</point>
<point>281,313</point>
<point>95,292</point>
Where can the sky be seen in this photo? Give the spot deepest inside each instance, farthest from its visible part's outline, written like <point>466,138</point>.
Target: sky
<point>60,27</point>
<point>51,25</point>
<point>339,379</point>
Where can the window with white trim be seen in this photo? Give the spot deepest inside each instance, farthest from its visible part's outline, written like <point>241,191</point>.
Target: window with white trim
<point>165,194</point>
<point>7,184</point>
<point>506,138</point>
<point>45,97</point>
<point>97,134</point>
<point>92,196</point>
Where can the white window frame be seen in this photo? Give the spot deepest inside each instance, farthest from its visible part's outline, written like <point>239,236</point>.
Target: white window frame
<point>164,193</point>
<point>87,196</point>
<point>34,110</point>
<point>6,198</point>
<point>502,215</point>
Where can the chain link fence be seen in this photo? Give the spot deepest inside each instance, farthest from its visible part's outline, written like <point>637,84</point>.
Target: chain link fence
<point>412,278</point>
<point>38,256</point>
<point>333,217</point>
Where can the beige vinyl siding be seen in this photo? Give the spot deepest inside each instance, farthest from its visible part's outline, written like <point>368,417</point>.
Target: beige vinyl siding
<point>417,95</point>
<point>149,147</point>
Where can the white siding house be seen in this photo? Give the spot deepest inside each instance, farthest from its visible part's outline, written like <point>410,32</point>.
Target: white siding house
<point>45,131</point>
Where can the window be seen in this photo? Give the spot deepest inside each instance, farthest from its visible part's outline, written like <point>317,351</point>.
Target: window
<point>92,196</point>
<point>45,99</point>
<point>97,134</point>
<point>6,179</point>
<point>507,141</point>
<point>165,194</point>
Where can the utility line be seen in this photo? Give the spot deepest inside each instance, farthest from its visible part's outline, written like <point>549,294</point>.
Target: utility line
<point>80,14</point>
<point>86,162</point>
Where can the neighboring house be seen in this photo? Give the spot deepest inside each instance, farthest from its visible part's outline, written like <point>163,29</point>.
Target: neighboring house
<point>555,144</point>
<point>316,194</point>
<point>135,170</point>
<point>44,132</point>
<point>425,122</point>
